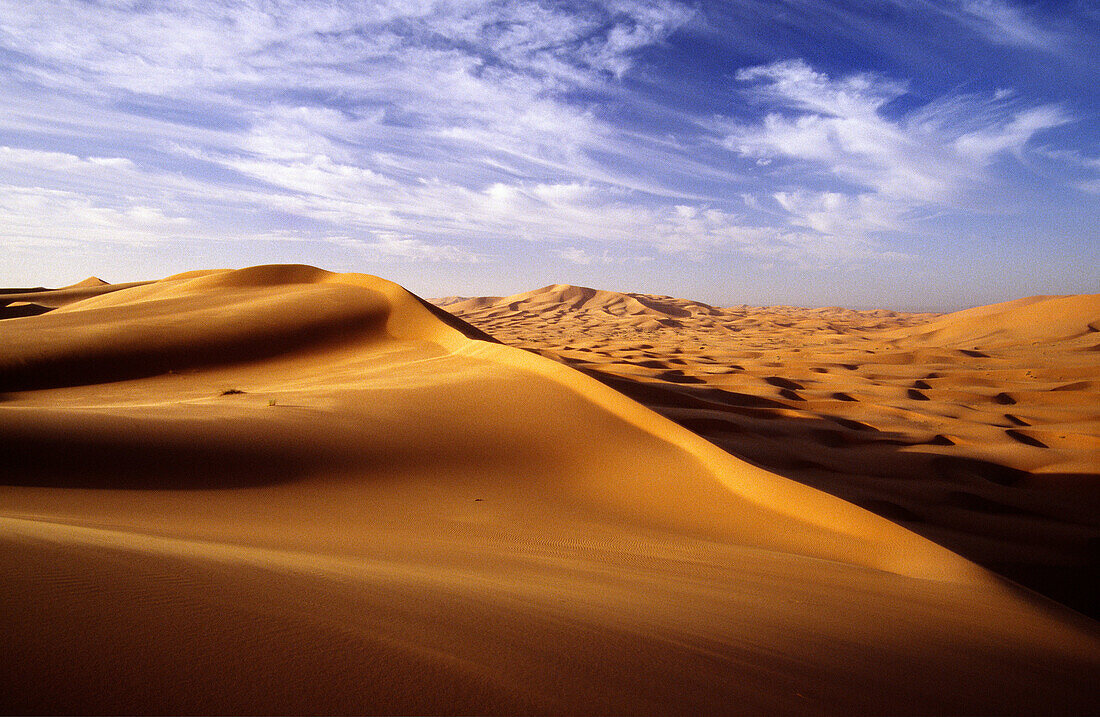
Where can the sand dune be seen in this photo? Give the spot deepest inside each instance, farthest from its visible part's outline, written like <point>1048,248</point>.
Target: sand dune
<point>1034,319</point>
<point>284,490</point>
<point>91,281</point>
<point>979,429</point>
<point>54,298</point>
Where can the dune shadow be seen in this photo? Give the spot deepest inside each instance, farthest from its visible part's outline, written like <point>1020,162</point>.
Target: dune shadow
<point>467,330</point>
<point>781,382</point>
<point>682,396</point>
<point>188,455</point>
<point>121,462</point>
<point>126,361</point>
<point>23,290</point>
<point>17,312</point>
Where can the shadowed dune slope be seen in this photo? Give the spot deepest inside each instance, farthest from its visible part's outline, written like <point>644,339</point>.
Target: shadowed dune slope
<point>284,490</point>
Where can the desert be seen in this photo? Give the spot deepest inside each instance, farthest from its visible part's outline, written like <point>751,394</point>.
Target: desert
<point>550,357</point>
<point>279,489</point>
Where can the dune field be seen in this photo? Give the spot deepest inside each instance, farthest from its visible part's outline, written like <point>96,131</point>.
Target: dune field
<point>282,490</point>
<point>979,429</point>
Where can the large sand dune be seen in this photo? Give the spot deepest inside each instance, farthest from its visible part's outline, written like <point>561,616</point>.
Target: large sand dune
<point>284,490</point>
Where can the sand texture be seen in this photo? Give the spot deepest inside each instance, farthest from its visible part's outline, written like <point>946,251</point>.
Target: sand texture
<point>282,490</point>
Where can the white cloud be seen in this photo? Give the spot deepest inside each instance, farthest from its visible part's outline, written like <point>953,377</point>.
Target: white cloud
<point>837,214</point>
<point>317,175</point>
<point>1072,157</point>
<point>795,84</point>
<point>576,255</point>
<point>44,217</point>
<point>342,116</point>
<point>1083,171</point>
<point>467,79</point>
<point>933,156</point>
<point>25,160</point>
<point>390,245</point>
<point>1004,23</point>
<point>361,47</point>
<point>326,107</point>
<point>428,220</point>
<point>1009,136</point>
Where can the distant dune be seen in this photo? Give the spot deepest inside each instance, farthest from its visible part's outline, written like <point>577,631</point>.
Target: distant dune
<point>650,311</point>
<point>1034,319</point>
<point>282,490</point>
<point>54,298</point>
<point>91,281</point>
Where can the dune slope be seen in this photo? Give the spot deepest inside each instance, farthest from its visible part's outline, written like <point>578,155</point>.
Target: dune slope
<point>284,490</point>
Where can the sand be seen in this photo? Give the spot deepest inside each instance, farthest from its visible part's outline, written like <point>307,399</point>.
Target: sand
<point>284,490</point>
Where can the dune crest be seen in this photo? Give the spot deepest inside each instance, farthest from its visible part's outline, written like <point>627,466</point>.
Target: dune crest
<point>91,281</point>
<point>309,491</point>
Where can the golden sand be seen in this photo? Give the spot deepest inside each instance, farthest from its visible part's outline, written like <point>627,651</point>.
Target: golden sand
<point>284,490</point>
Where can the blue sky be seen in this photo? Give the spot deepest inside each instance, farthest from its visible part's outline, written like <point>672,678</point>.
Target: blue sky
<point>902,153</point>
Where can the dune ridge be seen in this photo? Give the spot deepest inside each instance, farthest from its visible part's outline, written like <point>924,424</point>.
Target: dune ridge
<point>381,512</point>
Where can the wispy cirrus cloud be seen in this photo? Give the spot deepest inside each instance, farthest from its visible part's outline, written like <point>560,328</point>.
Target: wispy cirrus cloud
<point>1081,171</point>
<point>1004,23</point>
<point>367,113</point>
<point>50,217</point>
<point>885,169</point>
<point>391,246</point>
<point>460,69</point>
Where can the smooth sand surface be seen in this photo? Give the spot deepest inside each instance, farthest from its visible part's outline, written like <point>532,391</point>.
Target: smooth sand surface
<point>979,429</point>
<point>284,490</point>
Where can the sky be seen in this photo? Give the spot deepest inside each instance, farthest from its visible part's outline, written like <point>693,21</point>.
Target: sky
<point>910,154</point>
